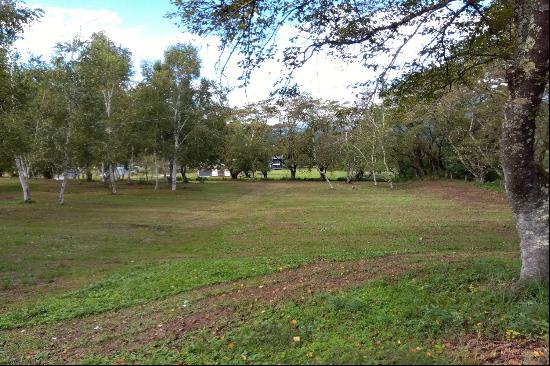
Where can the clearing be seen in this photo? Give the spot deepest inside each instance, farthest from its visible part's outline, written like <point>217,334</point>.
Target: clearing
<point>265,272</point>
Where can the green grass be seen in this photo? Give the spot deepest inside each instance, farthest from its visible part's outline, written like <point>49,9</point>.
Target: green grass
<point>411,321</point>
<point>100,253</point>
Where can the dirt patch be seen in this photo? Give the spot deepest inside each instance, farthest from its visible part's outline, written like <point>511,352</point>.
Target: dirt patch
<point>171,318</point>
<point>462,192</point>
<point>502,352</point>
<point>214,307</point>
<point>229,300</point>
<point>8,198</point>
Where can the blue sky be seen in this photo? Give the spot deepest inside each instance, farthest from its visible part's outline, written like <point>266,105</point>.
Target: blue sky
<point>148,13</point>
<point>140,26</point>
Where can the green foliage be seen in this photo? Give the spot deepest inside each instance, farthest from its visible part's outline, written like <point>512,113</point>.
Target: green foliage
<point>14,15</point>
<point>247,147</point>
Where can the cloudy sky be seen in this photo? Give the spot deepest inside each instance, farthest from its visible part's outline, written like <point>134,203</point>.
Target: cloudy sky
<point>140,26</point>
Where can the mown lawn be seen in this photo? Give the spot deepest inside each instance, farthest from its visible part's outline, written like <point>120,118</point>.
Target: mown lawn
<point>97,279</point>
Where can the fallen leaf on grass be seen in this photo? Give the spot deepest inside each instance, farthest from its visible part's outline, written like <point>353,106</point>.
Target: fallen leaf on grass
<point>538,354</point>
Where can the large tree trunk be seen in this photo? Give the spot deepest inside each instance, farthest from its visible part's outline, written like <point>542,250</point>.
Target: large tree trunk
<point>234,174</point>
<point>21,171</point>
<point>526,188</point>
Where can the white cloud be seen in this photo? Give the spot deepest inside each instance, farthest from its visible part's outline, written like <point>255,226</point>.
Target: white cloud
<point>322,76</point>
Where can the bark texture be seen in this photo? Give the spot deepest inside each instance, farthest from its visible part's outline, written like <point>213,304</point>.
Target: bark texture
<point>112,177</point>
<point>62,189</point>
<point>526,187</point>
<point>23,179</point>
<point>173,173</point>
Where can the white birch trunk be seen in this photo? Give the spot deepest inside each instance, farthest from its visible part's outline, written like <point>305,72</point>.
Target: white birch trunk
<point>112,178</point>
<point>372,161</point>
<point>62,190</point>
<point>21,171</point>
<point>131,166</point>
<point>65,165</point>
<point>156,171</point>
<point>175,159</point>
<point>173,173</point>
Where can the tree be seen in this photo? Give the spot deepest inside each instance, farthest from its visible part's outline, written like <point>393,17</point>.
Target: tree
<point>247,148</point>
<point>292,141</point>
<point>205,137</point>
<point>459,38</point>
<point>13,97</point>
<point>65,86</point>
<point>106,68</point>
<point>174,76</point>
<point>18,122</point>
<point>151,115</point>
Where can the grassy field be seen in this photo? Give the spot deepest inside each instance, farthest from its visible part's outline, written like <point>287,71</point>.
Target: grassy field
<point>264,272</point>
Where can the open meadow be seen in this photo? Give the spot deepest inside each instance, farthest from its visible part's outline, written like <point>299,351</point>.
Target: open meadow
<point>265,272</point>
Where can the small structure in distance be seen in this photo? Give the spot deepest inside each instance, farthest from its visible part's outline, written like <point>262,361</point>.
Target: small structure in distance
<point>213,172</point>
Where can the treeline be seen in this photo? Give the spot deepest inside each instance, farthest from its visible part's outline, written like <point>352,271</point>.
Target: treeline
<point>81,110</point>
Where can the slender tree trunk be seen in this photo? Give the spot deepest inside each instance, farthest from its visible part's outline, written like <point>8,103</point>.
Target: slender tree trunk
<point>131,166</point>
<point>265,174</point>
<point>293,172</point>
<point>183,171</point>
<point>526,187</point>
<point>388,173</point>
<point>321,171</point>
<point>234,174</point>
<point>103,180</point>
<point>372,162</point>
<point>65,165</point>
<point>323,174</point>
<point>174,170</point>
<point>112,177</point>
<point>19,163</point>
<point>156,171</point>
<point>146,172</point>
<point>349,174</point>
<point>62,189</point>
<point>173,176</point>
